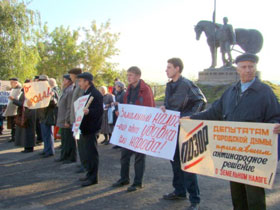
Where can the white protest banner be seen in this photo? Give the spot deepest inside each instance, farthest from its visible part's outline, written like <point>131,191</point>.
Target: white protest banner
<point>11,109</point>
<point>235,151</point>
<point>37,94</point>
<point>4,92</point>
<point>79,105</point>
<point>147,130</point>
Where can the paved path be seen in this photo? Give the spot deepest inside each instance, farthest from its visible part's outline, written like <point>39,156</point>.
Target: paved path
<point>29,182</point>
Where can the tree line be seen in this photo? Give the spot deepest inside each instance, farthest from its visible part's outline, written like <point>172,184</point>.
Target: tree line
<point>28,48</point>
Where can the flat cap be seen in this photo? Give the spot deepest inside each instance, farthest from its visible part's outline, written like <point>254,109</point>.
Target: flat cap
<point>75,71</point>
<point>86,75</point>
<point>67,76</point>
<point>43,78</point>
<point>247,57</point>
<point>120,84</point>
<point>13,79</point>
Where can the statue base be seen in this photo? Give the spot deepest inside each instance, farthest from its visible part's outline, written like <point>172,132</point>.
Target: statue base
<point>218,76</point>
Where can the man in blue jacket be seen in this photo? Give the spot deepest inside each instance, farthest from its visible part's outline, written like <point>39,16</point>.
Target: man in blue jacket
<point>249,100</point>
<point>89,127</point>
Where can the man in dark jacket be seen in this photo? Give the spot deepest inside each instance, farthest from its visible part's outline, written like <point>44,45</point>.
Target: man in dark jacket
<point>183,96</point>
<point>138,93</point>
<point>249,100</point>
<point>89,127</point>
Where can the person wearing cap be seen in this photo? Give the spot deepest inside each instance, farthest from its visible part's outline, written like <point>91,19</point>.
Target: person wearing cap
<point>75,94</point>
<point>138,93</point>
<point>68,144</point>
<point>90,125</point>
<point>249,100</point>
<point>47,117</point>
<point>11,119</point>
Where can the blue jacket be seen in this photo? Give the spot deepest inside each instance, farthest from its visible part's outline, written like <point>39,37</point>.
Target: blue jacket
<point>257,104</point>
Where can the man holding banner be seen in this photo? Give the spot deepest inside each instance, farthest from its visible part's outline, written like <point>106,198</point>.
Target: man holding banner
<point>184,96</point>
<point>90,125</point>
<point>249,100</point>
<point>138,93</point>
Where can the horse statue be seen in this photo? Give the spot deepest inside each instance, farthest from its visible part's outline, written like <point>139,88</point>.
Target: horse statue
<point>250,40</point>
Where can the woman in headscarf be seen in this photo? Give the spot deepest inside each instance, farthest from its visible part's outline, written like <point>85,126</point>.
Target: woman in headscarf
<point>25,124</point>
<point>119,94</point>
<point>107,127</point>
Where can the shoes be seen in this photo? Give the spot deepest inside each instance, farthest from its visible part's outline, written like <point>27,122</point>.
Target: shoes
<point>88,183</point>
<point>80,170</point>
<point>120,183</point>
<point>68,162</point>
<point>26,151</point>
<point>116,147</point>
<point>47,155</point>
<point>82,179</point>
<point>134,187</point>
<point>59,160</point>
<point>107,142</point>
<point>42,153</point>
<point>173,196</point>
<point>194,206</point>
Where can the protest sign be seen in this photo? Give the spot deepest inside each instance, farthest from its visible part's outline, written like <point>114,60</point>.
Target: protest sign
<point>235,151</point>
<point>147,130</point>
<point>4,92</point>
<point>11,109</point>
<point>79,105</point>
<point>37,94</point>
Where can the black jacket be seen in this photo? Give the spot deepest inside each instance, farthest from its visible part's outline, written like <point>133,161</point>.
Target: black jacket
<point>184,96</point>
<point>257,104</point>
<point>91,123</point>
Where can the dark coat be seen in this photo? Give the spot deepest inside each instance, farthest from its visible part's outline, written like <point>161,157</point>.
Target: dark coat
<point>91,123</point>
<point>184,96</point>
<point>26,135</point>
<point>258,104</point>
<point>145,95</point>
<point>48,115</point>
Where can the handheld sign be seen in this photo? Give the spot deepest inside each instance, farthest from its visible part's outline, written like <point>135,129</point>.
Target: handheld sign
<point>147,130</point>
<point>4,93</point>
<point>79,106</point>
<point>235,151</point>
<point>37,94</point>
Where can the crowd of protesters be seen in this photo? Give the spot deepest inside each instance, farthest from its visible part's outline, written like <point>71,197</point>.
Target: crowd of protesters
<point>238,103</point>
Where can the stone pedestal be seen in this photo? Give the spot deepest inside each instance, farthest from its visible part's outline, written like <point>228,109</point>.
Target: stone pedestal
<point>219,76</point>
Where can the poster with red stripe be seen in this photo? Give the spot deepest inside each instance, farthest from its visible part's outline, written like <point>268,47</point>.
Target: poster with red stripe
<point>234,151</point>
<point>147,130</point>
